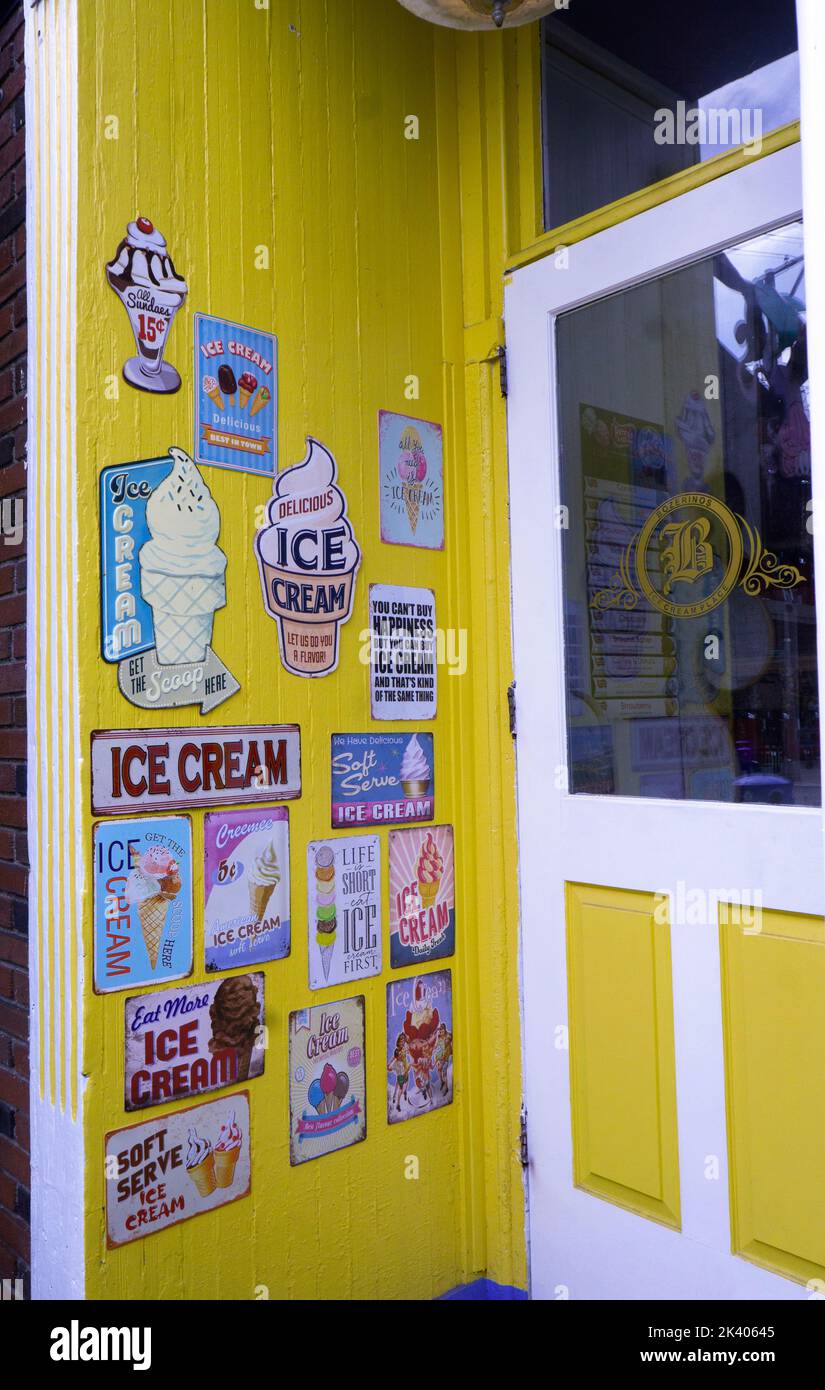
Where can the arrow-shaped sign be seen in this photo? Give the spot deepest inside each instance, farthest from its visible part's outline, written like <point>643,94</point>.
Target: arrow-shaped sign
<point>149,685</point>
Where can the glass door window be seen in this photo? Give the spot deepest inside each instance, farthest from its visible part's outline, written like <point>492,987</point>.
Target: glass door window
<point>687,533</point>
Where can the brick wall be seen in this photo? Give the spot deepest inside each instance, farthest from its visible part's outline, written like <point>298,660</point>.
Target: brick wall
<point>14,1019</point>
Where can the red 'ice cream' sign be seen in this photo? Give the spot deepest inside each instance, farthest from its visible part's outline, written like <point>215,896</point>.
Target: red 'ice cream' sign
<point>168,768</point>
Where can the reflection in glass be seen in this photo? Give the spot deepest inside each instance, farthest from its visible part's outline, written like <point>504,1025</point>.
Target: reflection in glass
<point>688,552</point>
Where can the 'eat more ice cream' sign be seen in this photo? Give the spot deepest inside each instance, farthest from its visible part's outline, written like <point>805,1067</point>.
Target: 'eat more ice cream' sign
<point>308,559</point>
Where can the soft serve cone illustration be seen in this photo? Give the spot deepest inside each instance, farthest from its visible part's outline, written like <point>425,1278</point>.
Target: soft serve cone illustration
<point>182,570</point>
<point>144,278</point>
<point>308,558</point>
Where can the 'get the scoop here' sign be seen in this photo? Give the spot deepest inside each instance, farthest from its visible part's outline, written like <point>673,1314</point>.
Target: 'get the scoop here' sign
<point>171,768</point>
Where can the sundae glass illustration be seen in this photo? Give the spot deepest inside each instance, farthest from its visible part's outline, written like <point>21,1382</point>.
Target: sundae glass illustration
<point>144,278</point>
<point>182,570</point>
<point>308,558</point>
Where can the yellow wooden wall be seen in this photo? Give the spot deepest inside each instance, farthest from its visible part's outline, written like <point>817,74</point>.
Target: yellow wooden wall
<point>240,127</point>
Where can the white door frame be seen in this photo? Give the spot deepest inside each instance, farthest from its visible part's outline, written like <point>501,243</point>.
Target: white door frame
<point>579,1243</point>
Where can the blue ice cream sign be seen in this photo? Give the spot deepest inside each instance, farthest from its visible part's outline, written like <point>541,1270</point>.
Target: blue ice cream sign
<point>236,396</point>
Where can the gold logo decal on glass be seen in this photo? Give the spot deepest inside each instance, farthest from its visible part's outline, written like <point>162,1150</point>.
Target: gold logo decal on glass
<point>694,539</point>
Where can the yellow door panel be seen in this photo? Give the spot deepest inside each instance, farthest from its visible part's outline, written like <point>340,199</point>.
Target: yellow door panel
<point>622,1064</point>
<point>773,990</point>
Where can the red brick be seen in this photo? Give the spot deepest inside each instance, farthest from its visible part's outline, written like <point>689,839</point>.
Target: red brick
<point>13,676</point>
<point>15,1233</point>
<point>8,1191</point>
<point>15,278</point>
<point>14,1159</point>
<point>6,985</point>
<point>13,811</point>
<point>14,948</point>
<point>18,644</point>
<point>22,1131</point>
<point>12,610</point>
<point>20,988</point>
<point>13,1020</point>
<point>20,240</point>
<point>12,87</point>
<point>21,848</point>
<point>12,743</point>
<point>12,878</point>
<point>11,346</point>
<point>14,1090</point>
<point>21,1058</point>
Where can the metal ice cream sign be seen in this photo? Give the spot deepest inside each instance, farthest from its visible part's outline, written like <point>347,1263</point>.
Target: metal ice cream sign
<point>162,581</point>
<point>308,559</point>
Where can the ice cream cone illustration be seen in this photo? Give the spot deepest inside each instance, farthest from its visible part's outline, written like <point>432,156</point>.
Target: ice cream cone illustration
<point>213,391</point>
<point>247,386</point>
<point>430,870</point>
<point>412,469</point>
<point>308,558</point>
<point>227,1152</point>
<point>264,877</point>
<point>182,570</point>
<point>144,278</point>
<point>151,886</point>
<point>236,1021</point>
<point>263,398</point>
<point>326,921</point>
<point>200,1164</point>
<point>415,770</point>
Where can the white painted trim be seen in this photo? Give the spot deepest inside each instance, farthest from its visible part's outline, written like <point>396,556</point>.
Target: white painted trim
<point>579,1242</point>
<point>57,1150</point>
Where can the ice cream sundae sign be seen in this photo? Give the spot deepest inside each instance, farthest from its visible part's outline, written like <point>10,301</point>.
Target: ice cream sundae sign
<point>308,560</point>
<point>193,1038</point>
<point>382,779</point>
<point>142,902</point>
<point>246,878</point>
<point>327,1079</point>
<point>422,895</point>
<point>148,286</point>
<point>163,1171</point>
<point>236,396</point>
<point>162,581</point>
<point>419,1045</point>
<point>344,885</point>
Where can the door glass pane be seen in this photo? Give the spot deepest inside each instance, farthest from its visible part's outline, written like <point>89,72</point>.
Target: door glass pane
<point>634,93</point>
<point>687,540</point>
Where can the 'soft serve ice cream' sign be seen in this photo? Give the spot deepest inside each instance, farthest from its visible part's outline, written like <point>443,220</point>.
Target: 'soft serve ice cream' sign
<point>308,558</point>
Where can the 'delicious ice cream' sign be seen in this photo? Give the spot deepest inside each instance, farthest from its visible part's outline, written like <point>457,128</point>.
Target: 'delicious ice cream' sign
<point>308,559</point>
<point>193,1038</point>
<point>246,879</point>
<point>164,1170</point>
<point>143,277</point>
<point>163,578</point>
<point>236,396</point>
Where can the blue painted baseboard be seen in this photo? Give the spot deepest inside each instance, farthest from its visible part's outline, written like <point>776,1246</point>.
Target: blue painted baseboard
<point>485,1291</point>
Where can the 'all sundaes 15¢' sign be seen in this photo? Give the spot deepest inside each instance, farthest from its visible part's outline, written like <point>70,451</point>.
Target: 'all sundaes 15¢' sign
<point>162,580</point>
<point>308,559</point>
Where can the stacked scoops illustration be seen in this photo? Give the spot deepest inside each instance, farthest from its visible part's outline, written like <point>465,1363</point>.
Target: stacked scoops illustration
<point>151,886</point>
<point>236,1021</point>
<point>200,1164</point>
<point>325,918</point>
<point>328,1090</point>
<point>227,1152</point>
<point>412,470</point>
<point>420,1029</point>
<point>182,570</point>
<point>264,877</point>
<point>415,770</point>
<point>430,870</point>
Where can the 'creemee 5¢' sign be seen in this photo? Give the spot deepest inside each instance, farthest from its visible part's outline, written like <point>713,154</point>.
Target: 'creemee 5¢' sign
<point>169,768</point>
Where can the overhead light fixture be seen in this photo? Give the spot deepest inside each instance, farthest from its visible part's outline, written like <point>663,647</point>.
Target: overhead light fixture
<point>480,14</point>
